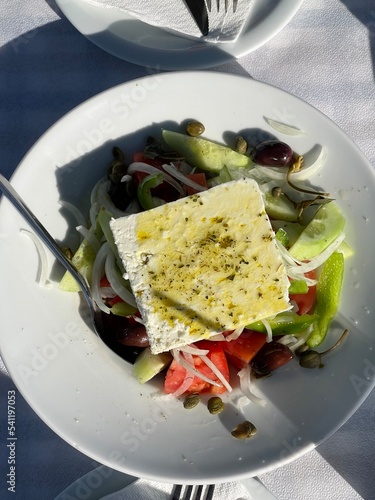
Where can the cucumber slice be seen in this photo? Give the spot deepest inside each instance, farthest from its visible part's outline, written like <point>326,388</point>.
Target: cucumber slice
<point>346,250</point>
<point>280,208</point>
<point>292,229</point>
<point>103,220</point>
<point>83,260</point>
<point>147,365</point>
<point>327,224</point>
<point>204,154</point>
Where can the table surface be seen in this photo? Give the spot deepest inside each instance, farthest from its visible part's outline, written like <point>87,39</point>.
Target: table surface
<point>326,56</point>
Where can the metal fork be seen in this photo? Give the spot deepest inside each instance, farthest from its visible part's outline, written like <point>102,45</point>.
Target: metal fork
<point>218,5</point>
<point>190,492</point>
<point>226,18</point>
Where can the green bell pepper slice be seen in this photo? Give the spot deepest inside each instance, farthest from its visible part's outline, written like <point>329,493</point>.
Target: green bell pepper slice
<point>328,291</point>
<point>282,236</point>
<point>298,286</point>
<point>286,323</point>
<point>144,195</point>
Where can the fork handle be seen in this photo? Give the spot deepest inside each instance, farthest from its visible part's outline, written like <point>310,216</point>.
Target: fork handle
<point>42,232</point>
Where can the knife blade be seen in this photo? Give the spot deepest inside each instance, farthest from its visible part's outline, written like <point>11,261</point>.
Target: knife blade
<point>199,13</point>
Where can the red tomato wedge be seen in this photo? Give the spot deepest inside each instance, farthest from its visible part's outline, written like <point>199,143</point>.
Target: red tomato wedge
<point>104,283</point>
<point>176,373</point>
<point>164,191</point>
<point>114,301</point>
<point>241,351</point>
<point>305,301</point>
<point>155,162</point>
<point>199,178</point>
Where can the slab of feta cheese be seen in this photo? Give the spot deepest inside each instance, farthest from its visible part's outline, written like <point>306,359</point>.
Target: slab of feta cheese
<point>203,264</point>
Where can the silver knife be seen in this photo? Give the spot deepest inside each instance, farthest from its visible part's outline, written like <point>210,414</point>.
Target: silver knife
<point>199,13</point>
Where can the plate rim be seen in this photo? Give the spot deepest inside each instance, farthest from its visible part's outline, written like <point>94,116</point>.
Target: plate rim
<point>251,82</point>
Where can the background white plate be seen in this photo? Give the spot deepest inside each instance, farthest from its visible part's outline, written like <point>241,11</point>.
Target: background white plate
<point>83,391</point>
<point>115,486</point>
<point>132,40</point>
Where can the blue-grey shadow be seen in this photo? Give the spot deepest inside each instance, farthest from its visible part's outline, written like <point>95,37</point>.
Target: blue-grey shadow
<point>366,16</point>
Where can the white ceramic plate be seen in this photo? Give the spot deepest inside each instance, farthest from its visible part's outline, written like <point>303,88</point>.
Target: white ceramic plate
<point>132,40</point>
<point>83,391</point>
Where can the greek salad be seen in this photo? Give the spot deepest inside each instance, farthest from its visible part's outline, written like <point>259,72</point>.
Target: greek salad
<point>308,230</point>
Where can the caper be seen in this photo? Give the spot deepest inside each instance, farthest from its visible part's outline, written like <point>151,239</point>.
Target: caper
<point>195,128</point>
<point>240,145</point>
<point>215,405</point>
<point>313,359</point>
<point>191,400</point>
<point>244,430</point>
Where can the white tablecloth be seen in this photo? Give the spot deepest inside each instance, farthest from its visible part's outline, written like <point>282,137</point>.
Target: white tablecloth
<point>326,55</point>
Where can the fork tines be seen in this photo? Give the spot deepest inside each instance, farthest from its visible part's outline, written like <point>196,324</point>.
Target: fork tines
<point>219,4</point>
<point>190,492</point>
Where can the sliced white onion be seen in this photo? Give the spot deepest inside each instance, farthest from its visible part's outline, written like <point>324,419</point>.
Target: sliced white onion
<point>90,237</point>
<point>296,268</point>
<point>295,274</point>
<point>295,307</point>
<point>284,128</point>
<point>218,338</point>
<point>287,340</point>
<point>101,198</point>
<point>93,214</point>
<point>191,349</point>
<point>133,208</point>
<point>98,186</point>
<point>189,377</point>
<point>241,401</point>
<point>235,334</point>
<point>126,178</point>
<point>268,328</point>
<point>300,341</point>
<point>42,275</point>
<point>117,282</point>
<point>185,386</point>
<point>182,361</point>
<point>107,292</point>
<point>138,166</point>
<point>172,170</point>
<point>245,384</point>
<point>184,167</point>
<point>97,274</point>
<point>138,319</point>
<point>217,372</point>
<point>314,160</point>
<point>78,215</point>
